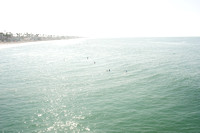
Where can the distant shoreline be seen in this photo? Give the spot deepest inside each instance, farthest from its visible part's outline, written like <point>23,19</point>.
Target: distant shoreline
<point>11,43</point>
<point>16,38</point>
<point>19,42</point>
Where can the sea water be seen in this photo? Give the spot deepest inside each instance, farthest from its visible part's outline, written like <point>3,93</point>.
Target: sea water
<point>101,85</point>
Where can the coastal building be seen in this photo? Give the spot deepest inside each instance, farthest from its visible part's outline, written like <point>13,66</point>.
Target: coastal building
<point>1,36</point>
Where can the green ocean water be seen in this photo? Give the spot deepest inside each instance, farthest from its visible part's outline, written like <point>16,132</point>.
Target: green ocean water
<point>130,85</point>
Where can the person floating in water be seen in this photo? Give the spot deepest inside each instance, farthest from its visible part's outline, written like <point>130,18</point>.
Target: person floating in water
<point>87,57</point>
<point>94,62</point>
<point>126,71</point>
<point>108,70</point>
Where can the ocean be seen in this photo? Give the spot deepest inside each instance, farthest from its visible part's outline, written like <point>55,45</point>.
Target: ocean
<point>125,85</point>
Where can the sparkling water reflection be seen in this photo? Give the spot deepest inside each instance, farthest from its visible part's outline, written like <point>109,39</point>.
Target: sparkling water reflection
<point>152,86</point>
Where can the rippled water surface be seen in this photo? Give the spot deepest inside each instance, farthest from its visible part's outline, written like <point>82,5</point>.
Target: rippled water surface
<point>101,85</point>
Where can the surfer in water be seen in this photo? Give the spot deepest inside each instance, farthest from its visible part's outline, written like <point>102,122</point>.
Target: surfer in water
<point>108,70</point>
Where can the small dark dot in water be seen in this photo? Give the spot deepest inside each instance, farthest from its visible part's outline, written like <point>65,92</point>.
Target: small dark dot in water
<point>87,57</point>
<point>94,62</point>
<point>109,70</point>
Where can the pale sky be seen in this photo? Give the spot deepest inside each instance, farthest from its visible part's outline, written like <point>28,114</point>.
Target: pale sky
<point>102,18</point>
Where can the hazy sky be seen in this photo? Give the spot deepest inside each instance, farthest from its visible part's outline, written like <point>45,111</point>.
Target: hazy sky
<point>102,18</point>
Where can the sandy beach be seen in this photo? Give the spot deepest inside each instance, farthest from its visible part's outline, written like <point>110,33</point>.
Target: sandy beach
<point>11,44</point>
<point>22,43</point>
<point>19,43</point>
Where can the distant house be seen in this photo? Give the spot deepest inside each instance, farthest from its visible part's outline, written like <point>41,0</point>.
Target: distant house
<point>1,36</point>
